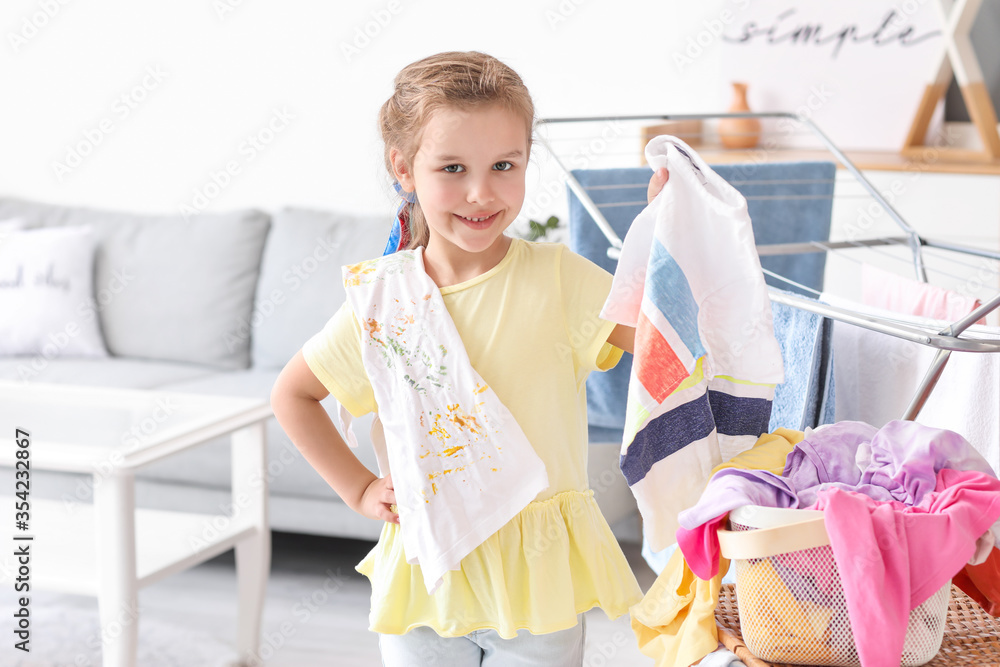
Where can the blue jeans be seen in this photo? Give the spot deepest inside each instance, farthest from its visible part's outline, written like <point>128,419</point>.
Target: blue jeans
<point>422,647</point>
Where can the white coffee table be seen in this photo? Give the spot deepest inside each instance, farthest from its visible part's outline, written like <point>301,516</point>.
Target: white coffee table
<point>110,548</point>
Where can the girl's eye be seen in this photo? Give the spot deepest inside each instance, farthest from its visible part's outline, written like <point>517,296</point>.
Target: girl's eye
<point>454,168</point>
<point>503,166</point>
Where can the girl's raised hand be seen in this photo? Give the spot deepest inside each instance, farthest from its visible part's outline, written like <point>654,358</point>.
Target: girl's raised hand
<point>377,500</point>
<point>656,183</point>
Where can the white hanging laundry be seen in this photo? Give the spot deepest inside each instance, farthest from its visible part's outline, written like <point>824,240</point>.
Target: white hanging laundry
<point>461,465</point>
<point>706,360</point>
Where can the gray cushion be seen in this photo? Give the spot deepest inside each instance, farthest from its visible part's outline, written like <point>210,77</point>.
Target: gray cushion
<point>300,285</point>
<point>169,288</point>
<point>104,372</point>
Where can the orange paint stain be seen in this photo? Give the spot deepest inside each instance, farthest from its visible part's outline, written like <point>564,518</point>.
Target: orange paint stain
<point>439,432</point>
<point>357,271</point>
<point>464,420</point>
<point>448,471</point>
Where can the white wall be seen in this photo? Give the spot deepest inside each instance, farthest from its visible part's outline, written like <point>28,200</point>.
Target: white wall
<point>224,72</point>
<point>163,95</point>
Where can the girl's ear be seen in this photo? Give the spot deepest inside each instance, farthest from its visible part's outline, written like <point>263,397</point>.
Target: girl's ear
<point>401,170</point>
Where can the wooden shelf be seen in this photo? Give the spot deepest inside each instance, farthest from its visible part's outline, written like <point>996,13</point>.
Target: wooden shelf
<point>864,160</point>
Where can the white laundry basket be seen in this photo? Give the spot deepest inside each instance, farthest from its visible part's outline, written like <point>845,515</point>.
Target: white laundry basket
<point>790,598</point>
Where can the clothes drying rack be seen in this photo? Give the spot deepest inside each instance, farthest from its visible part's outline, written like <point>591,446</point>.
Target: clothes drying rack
<point>945,340</point>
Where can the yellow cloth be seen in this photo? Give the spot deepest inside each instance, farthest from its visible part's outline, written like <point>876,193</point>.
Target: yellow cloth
<point>768,453</point>
<point>675,622</point>
<point>531,328</point>
<point>783,628</point>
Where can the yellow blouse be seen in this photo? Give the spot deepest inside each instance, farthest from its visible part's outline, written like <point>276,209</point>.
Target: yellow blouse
<point>531,328</point>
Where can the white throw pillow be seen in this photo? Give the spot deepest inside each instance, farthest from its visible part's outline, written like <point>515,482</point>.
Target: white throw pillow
<point>46,293</point>
<point>10,225</point>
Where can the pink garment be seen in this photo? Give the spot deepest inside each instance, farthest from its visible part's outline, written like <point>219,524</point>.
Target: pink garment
<point>884,289</point>
<point>700,547</point>
<point>892,557</point>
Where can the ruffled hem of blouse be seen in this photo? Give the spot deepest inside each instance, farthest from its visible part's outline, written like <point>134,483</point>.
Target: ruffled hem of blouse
<point>557,558</point>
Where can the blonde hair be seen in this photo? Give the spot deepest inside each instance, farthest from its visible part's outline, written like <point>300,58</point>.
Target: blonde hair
<point>454,79</point>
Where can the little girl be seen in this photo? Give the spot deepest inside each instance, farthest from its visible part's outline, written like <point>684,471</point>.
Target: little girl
<point>457,132</point>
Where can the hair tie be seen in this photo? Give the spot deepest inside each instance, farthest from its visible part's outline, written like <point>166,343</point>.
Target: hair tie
<point>399,233</point>
<point>408,197</point>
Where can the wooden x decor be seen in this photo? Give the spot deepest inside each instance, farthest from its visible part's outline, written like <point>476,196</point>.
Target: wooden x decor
<point>959,59</point>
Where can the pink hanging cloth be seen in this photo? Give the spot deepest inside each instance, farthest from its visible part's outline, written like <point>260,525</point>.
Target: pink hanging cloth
<point>891,291</point>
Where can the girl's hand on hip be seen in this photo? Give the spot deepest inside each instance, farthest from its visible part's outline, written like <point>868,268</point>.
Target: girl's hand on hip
<point>656,183</point>
<point>377,500</point>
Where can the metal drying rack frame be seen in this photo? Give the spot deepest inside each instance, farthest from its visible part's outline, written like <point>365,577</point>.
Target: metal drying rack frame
<point>945,341</point>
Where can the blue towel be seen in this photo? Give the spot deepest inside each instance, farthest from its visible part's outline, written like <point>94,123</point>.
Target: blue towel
<point>806,398</point>
<point>788,202</point>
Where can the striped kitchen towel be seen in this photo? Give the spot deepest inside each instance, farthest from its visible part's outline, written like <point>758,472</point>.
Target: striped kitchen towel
<point>706,360</point>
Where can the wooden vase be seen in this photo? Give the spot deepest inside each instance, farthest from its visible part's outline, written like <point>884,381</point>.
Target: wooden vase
<point>739,132</point>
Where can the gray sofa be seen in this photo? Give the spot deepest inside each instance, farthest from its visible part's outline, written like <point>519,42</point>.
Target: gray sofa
<point>217,304</point>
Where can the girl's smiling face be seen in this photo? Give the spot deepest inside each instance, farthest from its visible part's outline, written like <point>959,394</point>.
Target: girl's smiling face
<point>469,173</point>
